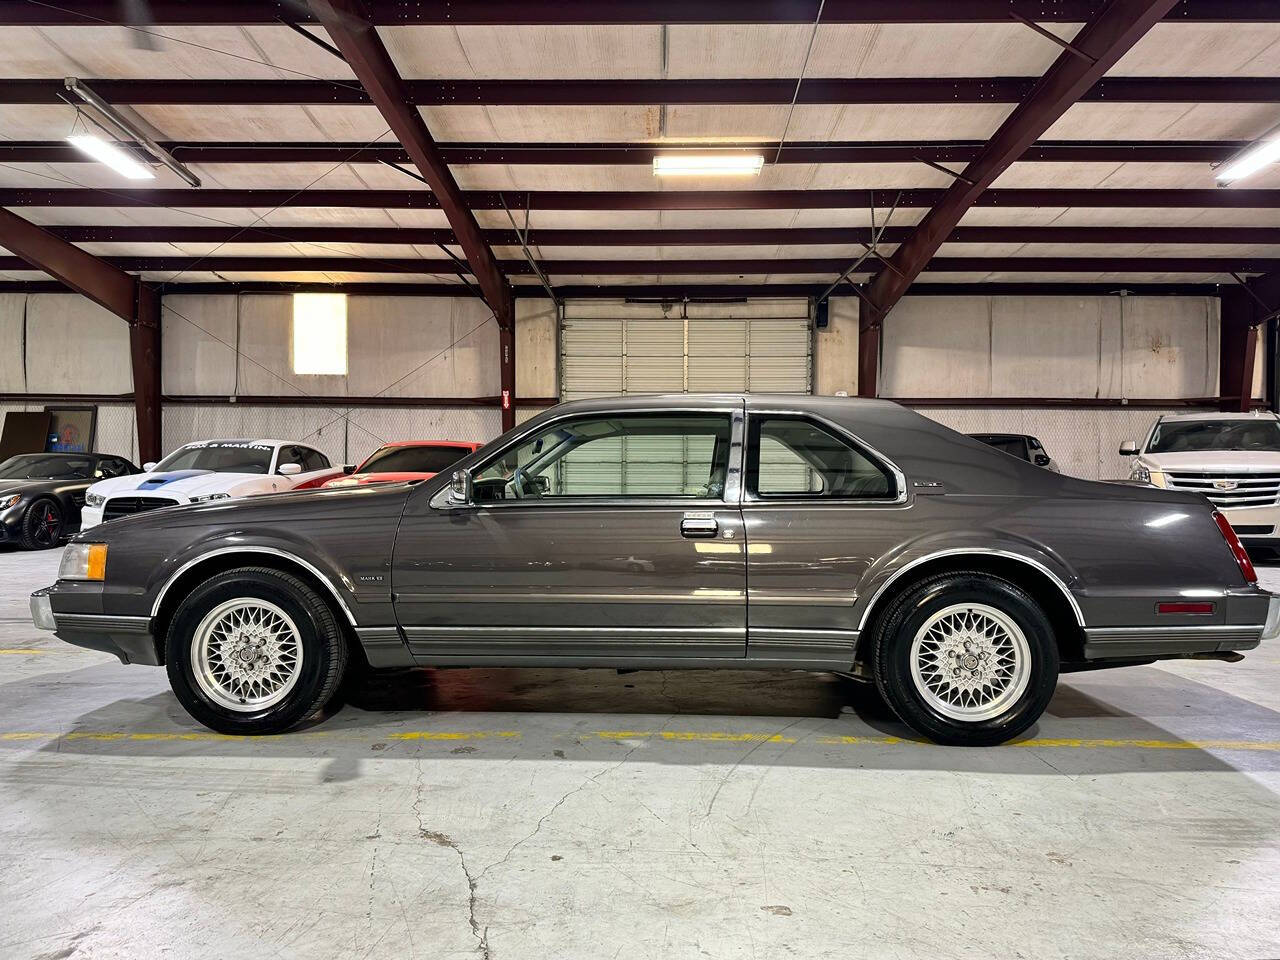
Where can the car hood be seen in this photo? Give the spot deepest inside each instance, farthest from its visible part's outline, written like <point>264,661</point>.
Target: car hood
<point>181,483</point>
<point>1213,461</point>
<point>358,479</point>
<point>9,487</point>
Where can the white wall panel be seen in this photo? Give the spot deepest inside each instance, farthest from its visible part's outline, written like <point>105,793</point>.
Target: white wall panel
<point>198,338</point>
<point>1045,346</point>
<point>12,375</point>
<point>835,349</point>
<point>937,347</point>
<point>75,346</point>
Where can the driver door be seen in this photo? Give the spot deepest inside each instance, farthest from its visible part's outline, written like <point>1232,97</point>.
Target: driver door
<point>610,536</point>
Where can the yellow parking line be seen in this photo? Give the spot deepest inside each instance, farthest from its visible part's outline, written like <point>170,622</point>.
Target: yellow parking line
<point>18,651</point>
<point>669,736</point>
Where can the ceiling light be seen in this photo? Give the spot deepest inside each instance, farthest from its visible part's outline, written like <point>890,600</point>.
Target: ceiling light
<point>740,164</point>
<point>108,153</point>
<point>1252,158</point>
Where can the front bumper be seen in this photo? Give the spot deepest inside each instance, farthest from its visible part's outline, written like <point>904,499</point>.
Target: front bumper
<point>1254,524</point>
<point>90,517</point>
<point>127,638</point>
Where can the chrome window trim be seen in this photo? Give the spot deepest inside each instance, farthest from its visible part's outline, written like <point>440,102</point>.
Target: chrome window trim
<point>273,551</point>
<point>734,411</point>
<point>899,478</point>
<point>974,551</point>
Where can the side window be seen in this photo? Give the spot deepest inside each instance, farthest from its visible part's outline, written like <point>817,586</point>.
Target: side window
<point>793,457</point>
<point>641,455</point>
<point>110,467</point>
<point>313,460</point>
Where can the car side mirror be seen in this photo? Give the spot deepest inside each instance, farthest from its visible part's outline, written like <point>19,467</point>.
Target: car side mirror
<point>460,487</point>
<point>289,469</point>
<point>348,468</point>
<point>1128,449</point>
<point>1042,460</point>
<point>148,467</point>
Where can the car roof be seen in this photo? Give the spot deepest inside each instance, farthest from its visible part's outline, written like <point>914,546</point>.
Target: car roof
<point>1212,415</point>
<point>460,444</point>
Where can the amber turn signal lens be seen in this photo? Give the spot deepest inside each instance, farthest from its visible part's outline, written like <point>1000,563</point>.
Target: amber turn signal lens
<point>97,569</point>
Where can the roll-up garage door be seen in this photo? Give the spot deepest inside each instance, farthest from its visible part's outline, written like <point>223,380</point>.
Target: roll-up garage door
<point>612,349</point>
<point>644,351</point>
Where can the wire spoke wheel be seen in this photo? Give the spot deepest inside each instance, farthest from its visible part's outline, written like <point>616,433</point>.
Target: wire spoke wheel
<point>246,654</point>
<point>970,661</point>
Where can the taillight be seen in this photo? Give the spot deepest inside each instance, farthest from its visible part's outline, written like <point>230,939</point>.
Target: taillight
<point>1237,548</point>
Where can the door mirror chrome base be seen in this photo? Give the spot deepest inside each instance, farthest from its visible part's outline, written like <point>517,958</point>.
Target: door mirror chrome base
<point>460,488</point>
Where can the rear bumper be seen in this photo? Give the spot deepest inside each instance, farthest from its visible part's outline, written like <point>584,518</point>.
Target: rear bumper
<point>1105,643</point>
<point>127,638</point>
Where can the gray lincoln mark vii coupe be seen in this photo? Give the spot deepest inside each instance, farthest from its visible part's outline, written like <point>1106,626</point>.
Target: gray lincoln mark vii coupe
<point>677,531</point>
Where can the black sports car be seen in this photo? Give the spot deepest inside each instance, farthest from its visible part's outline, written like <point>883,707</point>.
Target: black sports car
<point>41,494</point>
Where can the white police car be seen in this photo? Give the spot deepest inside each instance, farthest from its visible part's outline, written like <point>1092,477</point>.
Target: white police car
<point>208,470</point>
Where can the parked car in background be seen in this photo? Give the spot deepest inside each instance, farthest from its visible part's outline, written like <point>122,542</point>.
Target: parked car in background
<point>41,494</point>
<point>659,532</point>
<point>406,460</point>
<point>1020,445</point>
<point>1231,458</point>
<point>206,471</point>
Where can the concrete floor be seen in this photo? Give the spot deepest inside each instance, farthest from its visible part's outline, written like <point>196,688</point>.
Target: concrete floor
<point>584,814</point>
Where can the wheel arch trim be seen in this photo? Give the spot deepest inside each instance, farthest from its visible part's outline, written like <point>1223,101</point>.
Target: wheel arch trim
<point>273,551</point>
<point>1053,578</point>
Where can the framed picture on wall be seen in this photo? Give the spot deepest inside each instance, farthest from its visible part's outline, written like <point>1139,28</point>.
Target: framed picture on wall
<point>71,429</point>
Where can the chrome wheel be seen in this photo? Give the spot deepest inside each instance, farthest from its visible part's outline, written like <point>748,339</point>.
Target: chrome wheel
<point>970,661</point>
<point>246,654</point>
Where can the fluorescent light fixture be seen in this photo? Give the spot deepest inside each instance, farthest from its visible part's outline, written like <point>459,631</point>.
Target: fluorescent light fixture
<point>1252,158</point>
<point>108,153</point>
<point>320,333</point>
<point>712,164</point>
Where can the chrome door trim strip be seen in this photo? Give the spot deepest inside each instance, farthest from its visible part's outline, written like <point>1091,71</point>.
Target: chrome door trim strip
<point>710,596</point>
<point>273,551</point>
<point>974,551</point>
<point>758,596</point>
<point>520,632</point>
<point>803,634</point>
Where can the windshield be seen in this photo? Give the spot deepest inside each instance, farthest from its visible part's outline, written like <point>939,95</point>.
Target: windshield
<point>413,459</point>
<point>230,457</point>
<point>40,466</point>
<point>1188,436</point>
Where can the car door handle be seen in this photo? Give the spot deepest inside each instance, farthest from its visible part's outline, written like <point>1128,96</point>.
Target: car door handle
<point>694,527</point>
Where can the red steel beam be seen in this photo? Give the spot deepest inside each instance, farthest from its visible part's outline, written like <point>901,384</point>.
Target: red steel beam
<point>614,154</point>
<point>723,267</point>
<point>769,236</point>
<point>609,92</point>
<point>532,12</point>
<point>1105,39</point>
<point>351,32</point>
<point>109,286</point>
<point>1236,198</point>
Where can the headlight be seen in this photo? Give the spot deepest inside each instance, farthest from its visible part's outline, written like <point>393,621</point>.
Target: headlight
<point>8,502</point>
<point>211,496</point>
<point>1140,473</point>
<point>83,561</point>
<point>94,499</point>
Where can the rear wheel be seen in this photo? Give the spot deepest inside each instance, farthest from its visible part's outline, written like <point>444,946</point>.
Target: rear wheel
<point>43,525</point>
<point>966,659</point>
<point>254,651</point>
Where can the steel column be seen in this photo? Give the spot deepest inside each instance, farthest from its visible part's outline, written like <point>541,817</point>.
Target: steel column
<point>352,33</point>
<point>122,294</point>
<point>1237,346</point>
<point>870,323</point>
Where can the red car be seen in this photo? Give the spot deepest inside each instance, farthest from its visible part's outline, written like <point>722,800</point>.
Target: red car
<point>406,460</point>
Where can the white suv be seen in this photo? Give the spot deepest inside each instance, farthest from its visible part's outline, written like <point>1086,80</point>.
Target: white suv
<point>1232,458</point>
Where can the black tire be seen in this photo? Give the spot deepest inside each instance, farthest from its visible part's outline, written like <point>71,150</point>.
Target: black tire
<point>909,612</point>
<point>43,525</point>
<point>324,650</point>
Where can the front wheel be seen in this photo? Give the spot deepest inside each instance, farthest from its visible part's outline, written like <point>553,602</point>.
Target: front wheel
<point>42,526</point>
<point>966,659</point>
<point>254,651</point>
